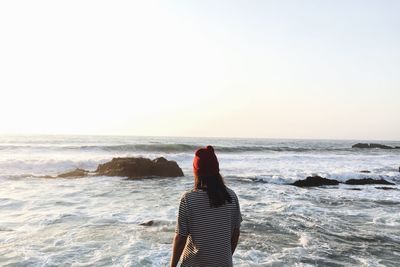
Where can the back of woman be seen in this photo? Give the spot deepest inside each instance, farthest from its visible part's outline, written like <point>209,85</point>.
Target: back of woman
<point>211,229</point>
<point>209,217</point>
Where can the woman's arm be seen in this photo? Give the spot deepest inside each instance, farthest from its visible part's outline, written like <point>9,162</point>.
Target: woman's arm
<point>178,246</point>
<point>235,239</point>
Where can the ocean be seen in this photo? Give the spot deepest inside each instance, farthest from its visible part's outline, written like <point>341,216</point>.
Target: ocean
<point>95,221</point>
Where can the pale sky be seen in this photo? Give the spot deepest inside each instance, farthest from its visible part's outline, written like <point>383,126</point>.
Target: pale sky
<point>274,69</point>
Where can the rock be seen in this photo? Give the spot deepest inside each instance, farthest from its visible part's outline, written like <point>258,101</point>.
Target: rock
<point>148,223</point>
<point>380,146</point>
<point>131,168</point>
<point>74,174</point>
<point>386,188</point>
<point>365,171</point>
<point>367,181</point>
<point>360,145</point>
<point>139,168</point>
<point>315,181</point>
<point>372,145</point>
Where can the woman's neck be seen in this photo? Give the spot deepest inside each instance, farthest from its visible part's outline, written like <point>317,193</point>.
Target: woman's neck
<point>201,188</point>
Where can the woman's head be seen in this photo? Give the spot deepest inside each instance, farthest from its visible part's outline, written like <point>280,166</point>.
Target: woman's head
<point>207,176</point>
<point>205,162</point>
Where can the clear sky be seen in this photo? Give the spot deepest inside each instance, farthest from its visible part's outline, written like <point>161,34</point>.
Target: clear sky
<point>280,69</point>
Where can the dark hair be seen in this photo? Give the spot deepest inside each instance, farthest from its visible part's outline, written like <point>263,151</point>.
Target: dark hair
<point>215,187</point>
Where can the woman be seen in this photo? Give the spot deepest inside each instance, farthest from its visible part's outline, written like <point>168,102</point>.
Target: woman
<point>209,217</point>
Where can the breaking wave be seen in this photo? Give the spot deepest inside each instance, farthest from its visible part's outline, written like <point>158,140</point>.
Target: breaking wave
<point>172,148</point>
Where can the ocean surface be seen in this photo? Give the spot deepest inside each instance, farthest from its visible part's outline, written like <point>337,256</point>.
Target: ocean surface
<point>95,221</point>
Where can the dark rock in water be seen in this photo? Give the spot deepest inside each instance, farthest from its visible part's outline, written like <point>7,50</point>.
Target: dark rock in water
<point>372,145</point>
<point>129,167</point>
<point>74,174</point>
<point>139,168</point>
<point>386,188</point>
<point>355,189</point>
<point>360,145</point>
<point>367,181</point>
<point>365,171</point>
<point>380,146</point>
<point>315,181</point>
<point>148,223</point>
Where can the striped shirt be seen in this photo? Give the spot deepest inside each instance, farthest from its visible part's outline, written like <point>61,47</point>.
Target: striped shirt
<point>209,230</point>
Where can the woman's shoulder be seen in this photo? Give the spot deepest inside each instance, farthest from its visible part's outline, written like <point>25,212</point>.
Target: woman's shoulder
<point>230,191</point>
<point>191,193</point>
<point>232,194</point>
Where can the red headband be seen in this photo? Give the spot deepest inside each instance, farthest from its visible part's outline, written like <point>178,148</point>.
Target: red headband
<point>205,162</point>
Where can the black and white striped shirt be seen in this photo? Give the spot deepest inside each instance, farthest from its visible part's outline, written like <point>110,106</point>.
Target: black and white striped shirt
<point>209,230</point>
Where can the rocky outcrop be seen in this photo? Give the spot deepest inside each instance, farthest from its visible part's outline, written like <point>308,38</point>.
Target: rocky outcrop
<point>367,181</point>
<point>131,168</point>
<point>373,145</point>
<point>386,188</point>
<point>147,223</point>
<point>73,174</point>
<point>380,146</point>
<point>320,181</point>
<point>139,168</point>
<point>360,145</point>
<point>315,181</point>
